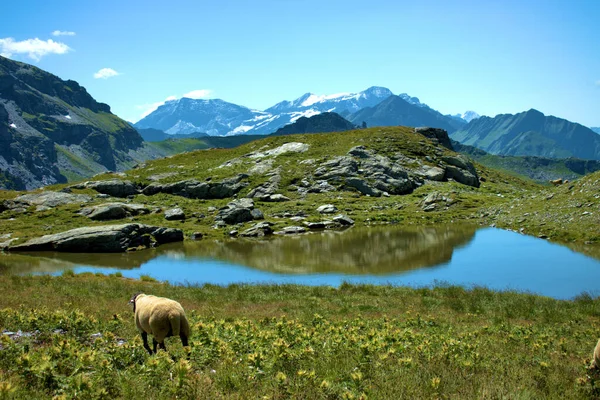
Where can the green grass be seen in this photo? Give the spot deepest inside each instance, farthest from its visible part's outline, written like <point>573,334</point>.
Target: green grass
<point>296,342</point>
<point>176,146</point>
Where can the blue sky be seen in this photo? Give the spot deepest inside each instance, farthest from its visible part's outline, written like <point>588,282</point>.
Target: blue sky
<point>491,57</point>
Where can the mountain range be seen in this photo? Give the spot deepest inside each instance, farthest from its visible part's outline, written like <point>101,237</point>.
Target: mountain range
<point>596,129</point>
<point>52,130</point>
<point>530,133</point>
<point>218,118</point>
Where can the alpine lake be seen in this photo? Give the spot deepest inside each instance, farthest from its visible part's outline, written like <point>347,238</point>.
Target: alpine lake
<point>467,256</point>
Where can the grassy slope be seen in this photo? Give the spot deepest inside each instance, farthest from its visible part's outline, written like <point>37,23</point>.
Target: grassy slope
<point>365,210</point>
<point>250,342</point>
<point>493,203</point>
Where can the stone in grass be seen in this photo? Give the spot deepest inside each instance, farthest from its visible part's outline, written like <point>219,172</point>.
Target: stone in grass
<point>174,214</point>
<point>274,198</point>
<point>291,230</point>
<point>197,236</point>
<point>327,209</point>
<point>315,225</point>
<point>258,230</point>
<point>257,214</point>
<point>343,220</point>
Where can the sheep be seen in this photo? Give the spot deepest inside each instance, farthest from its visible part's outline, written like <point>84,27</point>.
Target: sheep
<point>161,317</point>
<point>557,182</point>
<point>596,358</point>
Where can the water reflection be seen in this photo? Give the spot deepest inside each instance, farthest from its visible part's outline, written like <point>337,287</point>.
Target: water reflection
<point>376,250</point>
<point>379,250</point>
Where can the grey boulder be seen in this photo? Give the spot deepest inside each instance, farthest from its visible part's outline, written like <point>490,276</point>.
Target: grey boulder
<point>102,239</point>
<point>258,230</point>
<point>52,199</point>
<point>109,211</point>
<point>113,187</point>
<point>174,214</point>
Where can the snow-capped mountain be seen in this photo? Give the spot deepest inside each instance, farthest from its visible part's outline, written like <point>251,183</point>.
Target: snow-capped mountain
<point>215,117</point>
<point>467,116</point>
<point>349,102</point>
<point>470,116</point>
<point>218,118</point>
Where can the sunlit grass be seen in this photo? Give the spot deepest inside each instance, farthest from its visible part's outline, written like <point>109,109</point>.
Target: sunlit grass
<point>296,342</point>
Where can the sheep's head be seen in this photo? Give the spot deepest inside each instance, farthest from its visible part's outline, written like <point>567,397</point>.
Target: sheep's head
<point>133,298</point>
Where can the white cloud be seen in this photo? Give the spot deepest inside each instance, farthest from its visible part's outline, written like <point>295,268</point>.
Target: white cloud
<point>34,48</point>
<point>197,94</point>
<point>151,107</point>
<point>63,33</point>
<point>106,73</point>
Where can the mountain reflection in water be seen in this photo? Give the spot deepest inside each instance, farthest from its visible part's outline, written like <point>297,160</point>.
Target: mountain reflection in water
<point>375,250</point>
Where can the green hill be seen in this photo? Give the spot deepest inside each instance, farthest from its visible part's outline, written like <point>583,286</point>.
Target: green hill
<point>530,133</point>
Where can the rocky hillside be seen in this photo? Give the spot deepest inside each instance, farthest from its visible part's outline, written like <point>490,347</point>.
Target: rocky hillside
<point>326,180</point>
<point>530,133</point>
<point>396,111</point>
<point>596,129</point>
<point>51,130</point>
<point>295,184</point>
<point>320,123</point>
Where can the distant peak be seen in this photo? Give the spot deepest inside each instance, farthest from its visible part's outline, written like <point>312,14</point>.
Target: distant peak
<point>533,111</point>
<point>378,91</point>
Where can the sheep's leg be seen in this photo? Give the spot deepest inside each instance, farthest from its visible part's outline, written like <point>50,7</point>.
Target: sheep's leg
<point>162,345</point>
<point>184,343</point>
<point>184,340</point>
<point>154,343</point>
<point>146,346</point>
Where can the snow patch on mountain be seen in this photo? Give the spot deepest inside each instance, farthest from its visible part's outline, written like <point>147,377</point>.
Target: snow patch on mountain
<point>182,128</point>
<point>470,116</point>
<point>308,113</point>
<point>313,98</point>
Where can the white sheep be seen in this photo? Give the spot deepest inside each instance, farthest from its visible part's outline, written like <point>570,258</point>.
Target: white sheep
<point>596,358</point>
<point>160,317</point>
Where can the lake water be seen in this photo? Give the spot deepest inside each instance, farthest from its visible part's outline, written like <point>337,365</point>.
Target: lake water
<point>456,255</point>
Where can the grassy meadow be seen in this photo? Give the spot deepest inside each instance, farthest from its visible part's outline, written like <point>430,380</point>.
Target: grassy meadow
<point>79,341</point>
<point>78,338</point>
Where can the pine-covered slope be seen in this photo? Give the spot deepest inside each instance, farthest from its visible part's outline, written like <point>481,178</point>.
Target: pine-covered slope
<point>51,129</point>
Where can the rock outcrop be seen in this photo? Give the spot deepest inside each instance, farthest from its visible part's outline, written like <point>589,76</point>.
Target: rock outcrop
<point>436,134</point>
<point>461,169</point>
<point>102,239</point>
<point>238,211</point>
<point>109,211</point>
<point>52,199</point>
<point>111,187</point>
<point>174,214</point>
<point>195,189</point>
